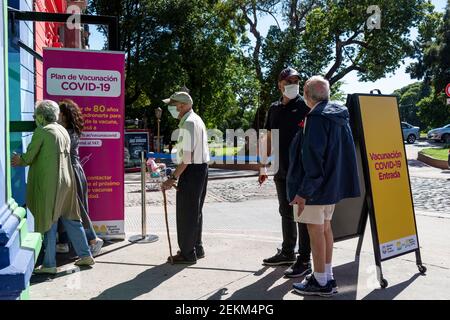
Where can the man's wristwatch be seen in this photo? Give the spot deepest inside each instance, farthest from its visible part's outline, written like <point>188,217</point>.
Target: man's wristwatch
<point>172,177</point>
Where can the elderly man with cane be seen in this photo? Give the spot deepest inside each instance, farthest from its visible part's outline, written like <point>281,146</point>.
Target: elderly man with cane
<point>191,176</point>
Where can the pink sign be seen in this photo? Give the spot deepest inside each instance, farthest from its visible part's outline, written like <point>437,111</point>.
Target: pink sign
<point>95,81</point>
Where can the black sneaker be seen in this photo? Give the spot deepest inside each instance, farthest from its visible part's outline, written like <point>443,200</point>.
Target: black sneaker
<point>310,287</point>
<point>298,269</point>
<point>333,286</point>
<point>279,259</point>
<point>200,252</point>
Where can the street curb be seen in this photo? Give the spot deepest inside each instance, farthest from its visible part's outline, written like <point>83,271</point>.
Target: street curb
<point>433,214</point>
<point>440,164</point>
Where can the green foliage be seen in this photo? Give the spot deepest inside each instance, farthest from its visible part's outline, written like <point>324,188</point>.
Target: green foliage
<point>331,38</point>
<point>433,110</point>
<point>433,50</point>
<point>433,66</point>
<point>205,46</point>
<point>171,44</point>
<point>421,106</point>
<point>408,97</point>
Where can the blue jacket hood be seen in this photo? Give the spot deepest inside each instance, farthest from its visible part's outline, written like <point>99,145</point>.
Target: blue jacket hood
<point>323,167</point>
<point>332,111</point>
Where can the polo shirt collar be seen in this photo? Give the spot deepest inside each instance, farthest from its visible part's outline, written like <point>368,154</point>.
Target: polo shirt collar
<point>186,115</point>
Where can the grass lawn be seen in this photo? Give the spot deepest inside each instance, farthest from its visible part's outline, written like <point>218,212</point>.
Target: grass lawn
<point>437,153</point>
<point>221,151</point>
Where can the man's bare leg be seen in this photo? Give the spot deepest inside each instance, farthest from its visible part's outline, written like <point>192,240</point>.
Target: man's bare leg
<point>329,240</point>
<point>318,246</point>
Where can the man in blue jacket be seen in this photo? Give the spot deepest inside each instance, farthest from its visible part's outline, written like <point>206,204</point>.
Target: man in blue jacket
<point>322,172</point>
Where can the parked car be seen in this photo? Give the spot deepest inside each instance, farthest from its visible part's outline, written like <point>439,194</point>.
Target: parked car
<point>410,133</point>
<point>440,134</point>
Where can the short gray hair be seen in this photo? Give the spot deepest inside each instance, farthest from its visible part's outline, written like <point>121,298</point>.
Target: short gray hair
<point>317,88</point>
<point>48,109</point>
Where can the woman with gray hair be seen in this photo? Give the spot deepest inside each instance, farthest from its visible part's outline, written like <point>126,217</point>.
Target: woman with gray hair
<point>51,189</point>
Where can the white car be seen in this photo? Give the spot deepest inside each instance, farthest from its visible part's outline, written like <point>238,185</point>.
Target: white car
<point>440,134</point>
<point>410,133</point>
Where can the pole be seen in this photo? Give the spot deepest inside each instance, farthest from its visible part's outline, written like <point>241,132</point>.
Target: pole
<point>159,139</point>
<point>143,197</point>
<point>167,226</point>
<point>143,237</point>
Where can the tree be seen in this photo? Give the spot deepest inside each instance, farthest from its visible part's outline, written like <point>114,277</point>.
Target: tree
<point>408,99</point>
<point>432,54</point>
<point>171,44</point>
<point>433,51</point>
<point>330,38</point>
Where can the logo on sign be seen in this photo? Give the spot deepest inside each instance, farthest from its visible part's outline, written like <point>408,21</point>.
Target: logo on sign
<point>447,90</point>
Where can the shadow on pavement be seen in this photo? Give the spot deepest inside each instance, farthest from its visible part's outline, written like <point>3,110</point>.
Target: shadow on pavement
<point>142,284</point>
<point>417,163</point>
<point>66,260</point>
<point>346,276</point>
<point>390,292</point>
<point>259,290</point>
<point>148,280</point>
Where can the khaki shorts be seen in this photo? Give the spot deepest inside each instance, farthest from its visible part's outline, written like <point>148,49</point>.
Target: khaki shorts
<point>315,214</point>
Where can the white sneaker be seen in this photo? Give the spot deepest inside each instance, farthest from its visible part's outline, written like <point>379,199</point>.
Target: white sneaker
<point>97,247</point>
<point>62,248</point>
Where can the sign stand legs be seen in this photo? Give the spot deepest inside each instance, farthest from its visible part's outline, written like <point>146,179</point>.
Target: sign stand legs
<point>360,242</point>
<point>420,266</point>
<point>365,214</point>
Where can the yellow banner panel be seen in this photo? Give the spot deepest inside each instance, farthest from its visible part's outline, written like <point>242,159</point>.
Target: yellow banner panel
<point>389,181</point>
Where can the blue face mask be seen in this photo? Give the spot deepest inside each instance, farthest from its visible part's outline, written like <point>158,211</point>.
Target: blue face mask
<point>173,111</point>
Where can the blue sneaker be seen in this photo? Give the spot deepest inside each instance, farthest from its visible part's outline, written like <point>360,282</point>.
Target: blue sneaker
<point>332,283</point>
<point>310,287</point>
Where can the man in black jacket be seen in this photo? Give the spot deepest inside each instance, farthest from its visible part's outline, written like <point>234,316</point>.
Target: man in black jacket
<point>285,115</point>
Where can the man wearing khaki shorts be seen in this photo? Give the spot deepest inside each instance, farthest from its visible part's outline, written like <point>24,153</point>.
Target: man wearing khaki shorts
<point>316,214</point>
<point>322,172</point>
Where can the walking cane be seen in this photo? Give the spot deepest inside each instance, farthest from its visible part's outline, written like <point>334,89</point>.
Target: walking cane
<point>167,225</point>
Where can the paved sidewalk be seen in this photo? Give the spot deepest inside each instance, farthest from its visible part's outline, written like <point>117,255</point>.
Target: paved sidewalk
<point>237,236</point>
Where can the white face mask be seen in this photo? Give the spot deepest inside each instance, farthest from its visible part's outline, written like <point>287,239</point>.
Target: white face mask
<point>173,111</point>
<point>291,91</point>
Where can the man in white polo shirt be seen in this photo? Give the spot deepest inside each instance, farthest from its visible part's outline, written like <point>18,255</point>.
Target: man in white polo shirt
<point>192,176</point>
